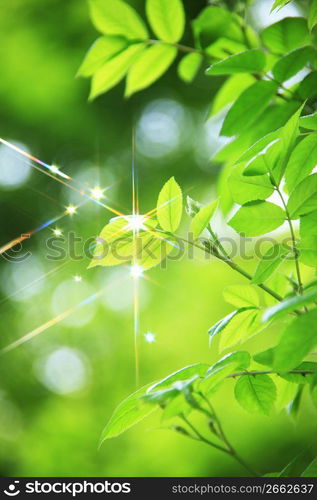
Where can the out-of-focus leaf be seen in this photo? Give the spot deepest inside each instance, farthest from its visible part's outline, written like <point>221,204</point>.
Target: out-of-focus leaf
<point>248,107</point>
<point>311,470</point>
<point>308,239</point>
<point>265,357</point>
<point>307,88</point>
<point>117,18</point>
<point>224,322</point>
<point>167,19</point>
<point>114,70</point>
<point>230,91</point>
<point>149,66</point>
<point>103,49</point>
<point>189,66</point>
<point>185,373</point>
<point>312,14</point>
<point>170,206</point>
<point>309,121</point>
<point>257,218</point>
<point>255,393</point>
<point>231,363</point>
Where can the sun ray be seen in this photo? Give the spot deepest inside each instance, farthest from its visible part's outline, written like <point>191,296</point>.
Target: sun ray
<point>57,319</point>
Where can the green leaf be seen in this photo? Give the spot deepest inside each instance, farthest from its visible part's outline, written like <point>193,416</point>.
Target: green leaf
<point>292,63</point>
<point>309,121</point>
<point>128,413</point>
<point>308,242</point>
<point>240,329</point>
<point>265,357</point>
<point>287,135</point>
<point>304,198</point>
<point>167,19</point>
<point>307,88</point>
<point>230,91</point>
<point>257,218</point>
<point>103,49</point>
<point>286,392</point>
<point>224,322</point>
<point>286,35</point>
<point>255,393</point>
<point>248,107</point>
<point>170,206</point>
<point>265,161</point>
<point>269,263</point>
<point>302,161</point>
<point>249,188</point>
<point>117,18</point>
<point>202,218</point>
<point>182,374</point>
<point>241,296</point>
<point>297,340</point>
<point>279,4</point>
<point>150,66</point>
<point>299,378</point>
<point>231,363</point>
<point>250,61</point>
<point>289,305</point>
<point>114,70</point>
<point>312,14</point>
<point>189,66</point>
<point>311,470</point>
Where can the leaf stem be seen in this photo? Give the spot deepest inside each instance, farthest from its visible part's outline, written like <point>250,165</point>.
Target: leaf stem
<point>201,438</point>
<point>295,252</point>
<point>224,438</point>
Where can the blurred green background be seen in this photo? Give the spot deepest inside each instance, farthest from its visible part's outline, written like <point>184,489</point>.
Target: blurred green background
<point>58,390</point>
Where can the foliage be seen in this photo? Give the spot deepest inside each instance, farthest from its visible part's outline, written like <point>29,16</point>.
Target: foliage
<point>272,125</point>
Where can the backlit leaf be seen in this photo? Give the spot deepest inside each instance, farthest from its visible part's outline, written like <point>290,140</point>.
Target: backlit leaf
<point>304,198</point>
<point>255,393</point>
<point>103,49</point>
<point>257,218</point>
<point>269,263</point>
<point>250,61</point>
<point>117,18</point>
<point>202,218</point>
<point>167,19</point>
<point>189,66</point>
<point>170,206</point>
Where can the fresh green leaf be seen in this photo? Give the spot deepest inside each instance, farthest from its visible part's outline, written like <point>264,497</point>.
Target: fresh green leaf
<point>279,4</point>
<point>308,241</point>
<point>312,14</point>
<point>185,373</point>
<point>230,91</point>
<point>307,88</point>
<point>292,63</point>
<point>287,134</point>
<point>167,19</point>
<point>114,70</point>
<point>128,413</point>
<point>257,218</point>
<point>241,296</point>
<point>309,121</point>
<point>240,329</point>
<point>255,393</point>
<point>231,363</point>
<point>248,107</point>
<point>150,66</point>
<point>299,377</point>
<point>249,188</point>
<point>297,340</point>
<point>286,35</point>
<point>117,18</point>
<point>304,198</point>
<point>286,392</point>
<point>265,357</point>
<point>202,218</point>
<point>289,305</point>
<point>250,61</point>
<point>265,161</point>
<point>189,67</point>
<point>170,206</point>
<point>269,263</point>
<point>302,161</point>
<point>224,322</point>
<point>103,49</point>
